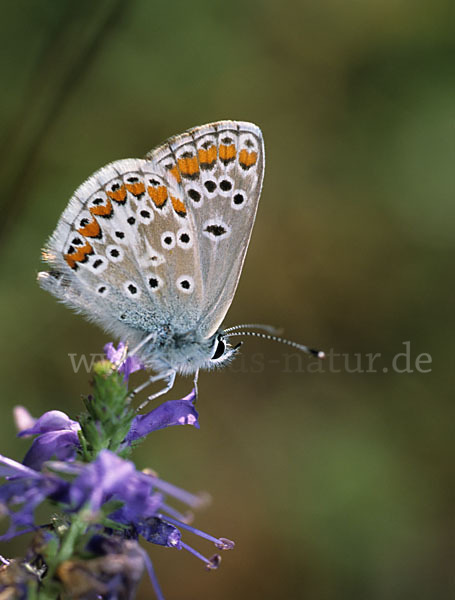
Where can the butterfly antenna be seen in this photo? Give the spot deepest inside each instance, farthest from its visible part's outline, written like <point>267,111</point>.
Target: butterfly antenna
<point>274,338</point>
<point>269,328</point>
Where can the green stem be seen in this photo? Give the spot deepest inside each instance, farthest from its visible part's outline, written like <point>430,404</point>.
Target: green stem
<point>50,589</point>
<point>77,528</point>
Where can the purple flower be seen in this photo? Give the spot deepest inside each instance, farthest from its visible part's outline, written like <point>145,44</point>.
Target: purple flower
<point>110,477</point>
<point>144,507</point>
<point>53,420</point>
<point>144,510</point>
<point>125,364</point>
<point>22,492</point>
<point>115,355</point>
<point>57,438</point>
<point>22,418</point>
<point>57,434</point>
<point>106,501</point>
<point>172,412</point>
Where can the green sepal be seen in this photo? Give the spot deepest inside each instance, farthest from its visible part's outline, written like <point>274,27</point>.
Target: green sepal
<point>108,418</point>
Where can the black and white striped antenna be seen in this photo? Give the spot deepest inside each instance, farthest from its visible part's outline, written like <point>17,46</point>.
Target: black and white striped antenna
<point>272,336</point>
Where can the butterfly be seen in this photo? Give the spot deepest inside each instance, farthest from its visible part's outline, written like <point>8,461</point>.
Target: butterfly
<point>152,249</point>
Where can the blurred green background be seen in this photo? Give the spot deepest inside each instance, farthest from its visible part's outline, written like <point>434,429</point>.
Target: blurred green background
<point>334,485</point>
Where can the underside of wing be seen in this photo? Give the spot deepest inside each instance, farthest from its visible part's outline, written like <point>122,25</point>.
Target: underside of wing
<point>124,252</point>
<point>218,169</point>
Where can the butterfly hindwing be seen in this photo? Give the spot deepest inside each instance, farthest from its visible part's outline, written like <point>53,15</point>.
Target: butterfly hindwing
<point>124,251</point>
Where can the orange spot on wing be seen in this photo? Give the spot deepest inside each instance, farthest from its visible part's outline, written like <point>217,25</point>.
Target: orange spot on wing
<point>79,256</point>
<point>247,159</point>
<point>135,188</point>
<point>92,229</point>
<point>118,195</point>
<point>158,195</point>
<point>102,210</point>
<point>178,206</point>
<point>174,171</point>
<point>226,153</point>
<point>188,166</point>
<point>207,157</point>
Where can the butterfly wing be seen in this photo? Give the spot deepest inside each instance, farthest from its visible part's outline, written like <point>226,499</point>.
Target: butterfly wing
<point>147,244</point>
<point>218,169</point>
<point>124,252</point>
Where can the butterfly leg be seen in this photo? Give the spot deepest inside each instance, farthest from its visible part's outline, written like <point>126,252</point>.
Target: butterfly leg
<point>147,339</point>
<point>150,380</point>
<point>168,376</point>
<point>196,376</point>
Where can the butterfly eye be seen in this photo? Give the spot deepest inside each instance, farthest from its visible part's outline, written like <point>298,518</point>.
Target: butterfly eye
<point>219,350</point>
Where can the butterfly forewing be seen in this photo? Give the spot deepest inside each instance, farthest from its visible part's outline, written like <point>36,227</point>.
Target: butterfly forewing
<point>219,169</point>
